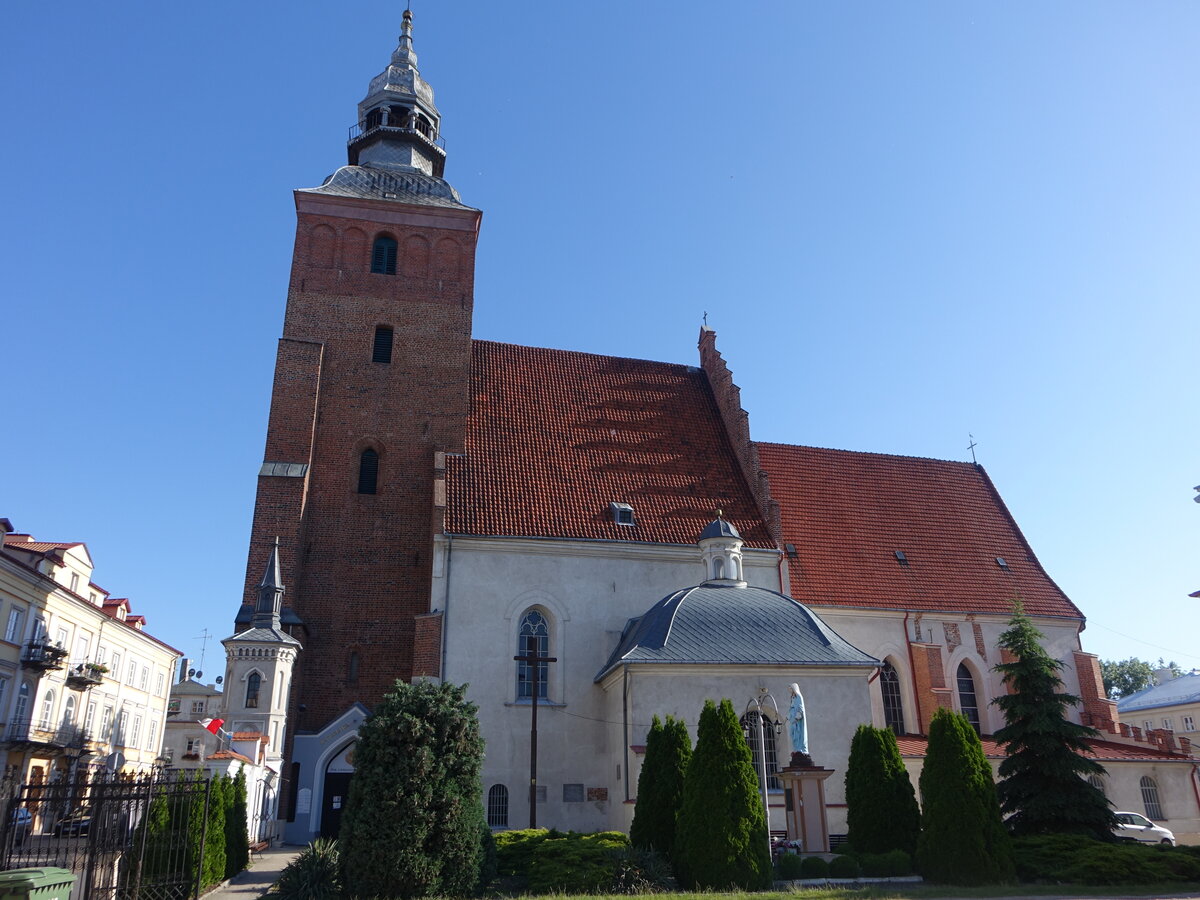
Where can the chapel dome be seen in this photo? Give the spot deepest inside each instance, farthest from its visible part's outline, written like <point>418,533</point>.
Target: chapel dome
<point>724,624</point>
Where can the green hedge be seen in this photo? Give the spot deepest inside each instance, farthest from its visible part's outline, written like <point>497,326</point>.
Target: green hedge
<point>562,862</point>
<point>1078,859</point>
<point>843,867</point>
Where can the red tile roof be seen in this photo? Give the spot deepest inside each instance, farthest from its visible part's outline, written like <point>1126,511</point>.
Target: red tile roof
<point>230,754</point>
<point>848,513</point>
<point>911,745</point>
<point>554,436</point>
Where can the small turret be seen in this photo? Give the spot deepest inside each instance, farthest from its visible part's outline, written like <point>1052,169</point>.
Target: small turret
<point>721,550</point>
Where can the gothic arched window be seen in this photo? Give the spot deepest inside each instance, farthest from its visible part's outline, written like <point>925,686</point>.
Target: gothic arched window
<point>534,638</point>
<point>368,472</point>
<point>893,705</point>
<point>253,686</point>
<point>1150,798</point>
<point>497,806</point>
<point>752,728</point>
<point>383,255</point>
<point>967,699</point>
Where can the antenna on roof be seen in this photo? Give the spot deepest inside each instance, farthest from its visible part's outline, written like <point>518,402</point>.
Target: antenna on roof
<point>204,636</point>
<point>971,446</point>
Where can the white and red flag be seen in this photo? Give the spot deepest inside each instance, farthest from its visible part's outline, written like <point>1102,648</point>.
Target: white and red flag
<point>213,725</point>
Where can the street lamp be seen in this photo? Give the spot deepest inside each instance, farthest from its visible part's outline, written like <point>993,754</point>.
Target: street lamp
<point>755,706</point>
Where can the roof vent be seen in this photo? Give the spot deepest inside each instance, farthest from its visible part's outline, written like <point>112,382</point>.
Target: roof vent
<point>1003,563</point>
<point>901,558</point>
<point>790,550</point>
<point>622,513</point>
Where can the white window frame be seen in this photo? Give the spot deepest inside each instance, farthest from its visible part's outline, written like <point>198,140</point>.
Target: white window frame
<point>1189,723</point>
<point>197,707</point>
<point>12,632</point>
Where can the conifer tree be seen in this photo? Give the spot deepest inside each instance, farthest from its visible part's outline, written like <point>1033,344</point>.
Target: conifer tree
<point>219,797</point>
<point>721,832</point>
<point>962,840</point>
<point>1044,787</point>
<point>882,811</point>
<point>660,786</point>
<point>237,841</point>
<point>411,826</point>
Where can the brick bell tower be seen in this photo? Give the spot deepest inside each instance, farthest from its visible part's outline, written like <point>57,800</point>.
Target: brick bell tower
<point>371,380</point>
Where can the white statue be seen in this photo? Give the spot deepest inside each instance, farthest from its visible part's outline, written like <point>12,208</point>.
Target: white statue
<point>797,726</point>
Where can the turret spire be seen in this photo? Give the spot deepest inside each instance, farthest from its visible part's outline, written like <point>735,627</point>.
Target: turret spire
<point>270,593</point>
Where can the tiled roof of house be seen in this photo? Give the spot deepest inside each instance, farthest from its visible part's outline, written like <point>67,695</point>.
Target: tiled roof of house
<point>847,514</point>
<point>1184,689</point>
<point>24,542</point>
<point>230,754</point>
<point>1109,751</point>
<point>554,437</point>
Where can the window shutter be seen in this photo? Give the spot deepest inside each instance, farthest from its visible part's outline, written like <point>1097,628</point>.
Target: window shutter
<point>382,351</point>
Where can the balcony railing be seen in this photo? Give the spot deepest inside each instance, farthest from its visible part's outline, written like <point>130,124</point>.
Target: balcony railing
<point>42,656</point>
<point>420,129</point>
<point>84,675</point>
<point>70,737</point>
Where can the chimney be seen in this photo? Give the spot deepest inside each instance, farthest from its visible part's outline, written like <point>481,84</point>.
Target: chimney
<point>184,665</point>
<point>1162,676</point>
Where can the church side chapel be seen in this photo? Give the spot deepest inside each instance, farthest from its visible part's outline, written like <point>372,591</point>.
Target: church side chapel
<point>462,502</point>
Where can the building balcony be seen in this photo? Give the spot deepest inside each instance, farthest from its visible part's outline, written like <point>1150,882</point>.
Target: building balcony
<point>85,675</point>
<point>420,129</point>
<point>42,656</point>
<point>46,735</point>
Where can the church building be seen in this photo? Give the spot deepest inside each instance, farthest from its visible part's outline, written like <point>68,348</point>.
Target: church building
<point>444,504</point>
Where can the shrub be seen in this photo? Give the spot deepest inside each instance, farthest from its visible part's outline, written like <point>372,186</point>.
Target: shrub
<point>641,872</point>
<point>963,840</point>
<point>576,863</point>
<point>315,874</point>
<point>1083,860</point>
<point>843,867</point>
<point>514,850</point>
<point>237,841</point>
<point>885,865</point>
<point>487,857</point>
<point>882,811</point>
<point>410,827</point>
<point>721,834</point>
<point>791,866</point>
<point>660,786</point>
<point>813,867</point>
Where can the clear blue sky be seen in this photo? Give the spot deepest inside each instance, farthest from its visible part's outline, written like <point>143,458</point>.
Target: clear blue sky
<point>907,222</point>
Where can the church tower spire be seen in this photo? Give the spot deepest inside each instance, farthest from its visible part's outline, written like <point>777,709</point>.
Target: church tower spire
<point>270,594</point>
<point>398,125</point>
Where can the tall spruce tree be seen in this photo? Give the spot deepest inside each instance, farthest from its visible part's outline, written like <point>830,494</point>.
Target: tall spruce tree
<point>1043,787</point>
<point>411,826</point>
<point>237,840</point>
<point>963,840</point>
<point>721,833</point>
<point>882,811</point>
<point>660,786</point>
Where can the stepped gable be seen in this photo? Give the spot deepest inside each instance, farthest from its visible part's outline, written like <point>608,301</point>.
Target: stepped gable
<point>555,436</point>
<point>847,513</point>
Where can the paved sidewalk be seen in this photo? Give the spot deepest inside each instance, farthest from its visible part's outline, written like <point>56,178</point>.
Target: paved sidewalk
<point>256,880</point>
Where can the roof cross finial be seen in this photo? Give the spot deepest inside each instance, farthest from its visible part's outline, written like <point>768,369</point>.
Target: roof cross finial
<point>971,446</point>
<point>705,317</point>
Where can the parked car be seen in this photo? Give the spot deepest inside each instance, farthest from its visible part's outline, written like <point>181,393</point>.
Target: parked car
<point>21,821</point>
<point>1136,827</point>
<point>78,822</point>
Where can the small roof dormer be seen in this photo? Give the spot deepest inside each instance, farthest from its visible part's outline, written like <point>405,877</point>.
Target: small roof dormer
<point>721,550</point>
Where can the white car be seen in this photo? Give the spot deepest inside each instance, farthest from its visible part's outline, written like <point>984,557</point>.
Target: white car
<point>1136,827</point>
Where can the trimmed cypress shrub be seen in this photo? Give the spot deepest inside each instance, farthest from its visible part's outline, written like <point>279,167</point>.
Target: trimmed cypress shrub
<point>791,866</point>
<point>963,840</point>
<point>882,812</point>
<point>660,786</point>
<point>237,841</point>
<point>843,867</point>
<point>813,867</point>
<point>1044,787</point>
<point>410,827</point>
<point>219,799</point>
<point>721,833</point>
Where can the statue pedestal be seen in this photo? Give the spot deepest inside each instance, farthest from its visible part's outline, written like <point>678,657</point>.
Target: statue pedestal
<point>804,787</point>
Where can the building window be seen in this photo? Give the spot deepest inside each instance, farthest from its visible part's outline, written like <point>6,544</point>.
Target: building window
<point>116,667</point>
<point>135,736</point>
<point>573,793</point>
<point>197,707</point>
<point>383,256</point>
<point>1188,723</point>
<point>74,582</point>
<point>22,709</point>
<point>47,720</point>
<point>106,724</point>
<point>131,674</point>
<point>381,351</point>
<point>89,719</point>
<point>497,810</point>
<point>893,706</point>
<point>352,668</point>
<point>622,513</point>
<point>754,732</point>
<point>152,743</point>
<point>253,683</point>
<point>534,639</point>
<point>1169,724</point>
<point>144,684</point>
<point>967,700</point>
<point>159,684</point>
<point>1154,808</point>
<point>368,471</point>
<point>68,716</point>
<point>1096,782</point>
<point>12,632</point>
<point>1147,726</point>
<point>194,746</point>
<point>122,728</point>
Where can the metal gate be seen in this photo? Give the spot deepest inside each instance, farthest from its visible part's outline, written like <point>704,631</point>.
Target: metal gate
<point>125,838</point>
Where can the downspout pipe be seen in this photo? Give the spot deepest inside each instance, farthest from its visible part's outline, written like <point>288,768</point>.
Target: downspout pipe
<point>446,606</point>
<point>912,668</point>
<point>625,724</point>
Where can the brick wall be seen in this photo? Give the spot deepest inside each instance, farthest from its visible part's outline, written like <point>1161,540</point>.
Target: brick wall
<point>427,646</point>
<point>1096,709</point>
<point>358,566</point>
<point>929,682</point>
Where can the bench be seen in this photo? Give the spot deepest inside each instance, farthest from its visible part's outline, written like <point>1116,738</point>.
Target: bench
<point>258,847</point>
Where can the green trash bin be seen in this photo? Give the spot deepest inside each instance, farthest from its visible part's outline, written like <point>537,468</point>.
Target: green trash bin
<point>45,883</point>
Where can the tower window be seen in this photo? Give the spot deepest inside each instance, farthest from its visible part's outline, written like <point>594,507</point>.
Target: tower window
<point>893,708</point>
<point>368,471</point>
<point>253,685</point>
<point>352,668</point>
<point>383,256</point>
<point>381,351</point>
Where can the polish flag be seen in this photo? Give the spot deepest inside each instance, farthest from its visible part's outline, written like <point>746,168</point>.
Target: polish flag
<point>213,725</point>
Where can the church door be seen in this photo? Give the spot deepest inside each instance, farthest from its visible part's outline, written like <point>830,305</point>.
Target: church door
<point>337,786</point>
